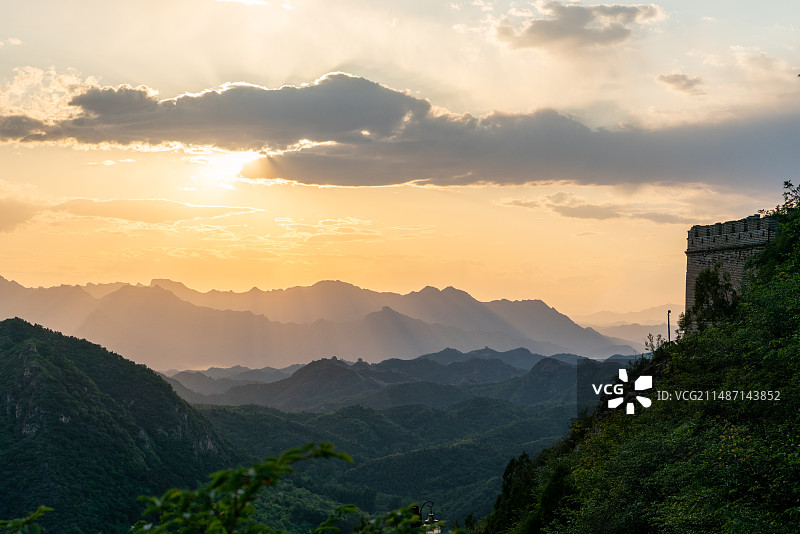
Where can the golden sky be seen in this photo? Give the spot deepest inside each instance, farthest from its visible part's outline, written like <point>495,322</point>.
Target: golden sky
<point>551,150</point>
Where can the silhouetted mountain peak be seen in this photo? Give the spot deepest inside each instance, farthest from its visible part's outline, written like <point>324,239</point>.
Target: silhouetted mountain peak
<point>389,313</point>
<point>166,283</point>
<point>334,284</point>
<point>548,365</point>
<point>225,372</point>
<point>133,298</point>
<point>451,291</point>
<point>360,365</point>
<point>143,292</point>
<point>427,290</point>
<point>320,368</point>
<point>445,356</point>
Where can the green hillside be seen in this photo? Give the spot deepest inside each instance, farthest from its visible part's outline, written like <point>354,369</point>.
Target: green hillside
<point>724,464</point>
<point>453,456</point>
<point>85,432</point>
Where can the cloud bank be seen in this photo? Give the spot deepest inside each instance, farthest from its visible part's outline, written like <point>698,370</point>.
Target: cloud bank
<point>569,205</point>
<point>546,146</point>
<point>575,26</point>
<point>338,107</point>
<point>350,131</point>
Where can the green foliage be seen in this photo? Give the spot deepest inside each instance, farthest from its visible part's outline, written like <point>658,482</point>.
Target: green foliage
<point>295,509</point>
<point>652,344</point>
<point>24,525</point>
<point>715,300</point>
<point>685,466</point>
<point>224,505</point>
<point>516,492</point>
<point>401,521</point>
<point>781,260</point>
<point>452,456</point>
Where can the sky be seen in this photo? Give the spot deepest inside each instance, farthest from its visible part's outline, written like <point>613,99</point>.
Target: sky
<point>552,150</point>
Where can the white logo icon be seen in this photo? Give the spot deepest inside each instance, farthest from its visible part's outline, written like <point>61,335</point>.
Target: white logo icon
<point>642,383</point>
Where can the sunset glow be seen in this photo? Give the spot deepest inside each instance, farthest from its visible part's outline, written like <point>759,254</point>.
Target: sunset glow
<point>511,149</point>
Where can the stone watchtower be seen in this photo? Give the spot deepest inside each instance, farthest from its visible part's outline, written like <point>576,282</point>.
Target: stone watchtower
<point>730,243</point>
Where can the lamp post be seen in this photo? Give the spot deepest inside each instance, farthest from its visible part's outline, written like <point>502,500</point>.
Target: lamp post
<point>668,312</point>
<point>431,522</point>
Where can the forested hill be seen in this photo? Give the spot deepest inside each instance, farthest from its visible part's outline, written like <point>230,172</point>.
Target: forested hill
<point>86,432</point>
<point>730,464</point>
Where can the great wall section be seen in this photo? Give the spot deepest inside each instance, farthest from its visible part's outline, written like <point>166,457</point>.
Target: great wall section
<point>730,243</point>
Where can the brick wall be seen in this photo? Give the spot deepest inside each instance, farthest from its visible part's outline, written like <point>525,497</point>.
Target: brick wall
<point>730,243</point>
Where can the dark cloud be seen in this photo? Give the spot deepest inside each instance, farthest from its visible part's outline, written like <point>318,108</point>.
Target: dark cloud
<point>374,135</point>
<point>568,205</point>
<point>20,128</point>
<point>338,108</point>
<point>108,105</point>
<point>588,211</point>
<point>682,83</point>
<point>577,26</point>
<point>544,147</point>
<point>441,149</point>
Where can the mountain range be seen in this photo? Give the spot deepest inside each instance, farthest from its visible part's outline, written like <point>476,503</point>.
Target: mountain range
<point>167,325</point>
<point>435,380</point>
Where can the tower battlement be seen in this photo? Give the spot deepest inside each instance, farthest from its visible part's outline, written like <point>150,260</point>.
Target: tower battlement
<point>730,243</point>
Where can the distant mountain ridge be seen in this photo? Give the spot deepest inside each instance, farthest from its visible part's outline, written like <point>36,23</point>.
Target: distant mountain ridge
<point>340,301</point>
<point>167,325</point>
<point>654,315</point>
<point>434,380</point>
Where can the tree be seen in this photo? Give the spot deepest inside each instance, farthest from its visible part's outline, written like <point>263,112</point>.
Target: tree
<point>24,525</point>
<point>715,299</point>
<point>652,344</point>
<point>782,254</point>
<point>223,506</point>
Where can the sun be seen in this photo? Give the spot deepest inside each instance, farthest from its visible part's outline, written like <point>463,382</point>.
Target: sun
<point>222,169</point>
